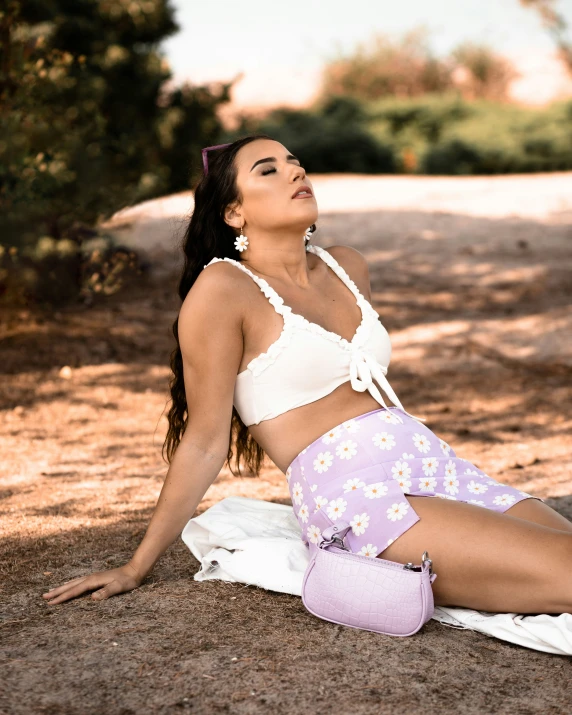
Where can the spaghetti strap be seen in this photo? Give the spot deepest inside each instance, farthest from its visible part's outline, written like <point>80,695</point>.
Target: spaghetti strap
<point>275,300</point>
<point>327,257</point>
<point>365,356</point>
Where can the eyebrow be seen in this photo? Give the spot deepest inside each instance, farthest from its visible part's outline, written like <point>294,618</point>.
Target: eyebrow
<point>273,158</point>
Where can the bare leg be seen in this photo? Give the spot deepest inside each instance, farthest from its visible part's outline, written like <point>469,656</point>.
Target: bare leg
<point>540,513</point>
<point>486,560</point>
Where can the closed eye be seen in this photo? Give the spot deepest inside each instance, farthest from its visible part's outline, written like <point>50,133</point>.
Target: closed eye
<point>273,170</point>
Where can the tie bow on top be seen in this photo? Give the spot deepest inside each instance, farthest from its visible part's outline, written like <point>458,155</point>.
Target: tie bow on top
<point>364,369</point>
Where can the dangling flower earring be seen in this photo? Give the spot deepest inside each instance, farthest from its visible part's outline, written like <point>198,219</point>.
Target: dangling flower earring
<point>241,243</point>
<point>308,236</point>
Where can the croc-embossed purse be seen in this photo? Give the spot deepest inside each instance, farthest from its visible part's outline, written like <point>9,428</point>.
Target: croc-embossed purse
<point>365,592</point>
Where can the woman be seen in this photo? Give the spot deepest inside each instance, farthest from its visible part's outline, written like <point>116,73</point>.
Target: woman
<point>280,351</point>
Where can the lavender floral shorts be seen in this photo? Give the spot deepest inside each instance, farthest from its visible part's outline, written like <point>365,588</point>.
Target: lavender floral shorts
<point>361,469</point>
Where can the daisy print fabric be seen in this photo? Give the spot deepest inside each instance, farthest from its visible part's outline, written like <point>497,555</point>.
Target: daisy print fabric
<point>361,470</point>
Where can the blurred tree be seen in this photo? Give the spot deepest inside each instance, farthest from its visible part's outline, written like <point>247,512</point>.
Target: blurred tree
<point>189,123</point>
<point>78,88</point>
<point>481,73</point>
<point>556,24</point>
<point>407,68</point>
<point>387,67</point>
<point>86,124</point>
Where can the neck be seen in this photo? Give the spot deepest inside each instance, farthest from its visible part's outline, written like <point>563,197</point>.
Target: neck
<point>285,263</point>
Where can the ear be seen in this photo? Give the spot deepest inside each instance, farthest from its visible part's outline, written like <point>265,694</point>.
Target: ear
<point>233,217</point>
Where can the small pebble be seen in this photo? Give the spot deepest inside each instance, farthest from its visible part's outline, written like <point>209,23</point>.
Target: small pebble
<point>65,372</point>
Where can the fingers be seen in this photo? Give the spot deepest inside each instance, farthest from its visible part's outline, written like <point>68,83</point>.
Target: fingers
<point>74,588</point>
<point>59,589</point>
<point>109,584</point>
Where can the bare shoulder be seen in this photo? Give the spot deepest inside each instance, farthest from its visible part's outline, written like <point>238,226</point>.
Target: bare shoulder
<point>211,342</point>
<point>355,265</point>
<point>215,294</point>
<point>211,316</point>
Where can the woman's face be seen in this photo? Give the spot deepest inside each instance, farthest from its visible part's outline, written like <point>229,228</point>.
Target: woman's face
<point>268,176</point>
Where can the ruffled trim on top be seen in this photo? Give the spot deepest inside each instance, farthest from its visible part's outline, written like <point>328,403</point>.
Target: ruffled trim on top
<point>292,320</point>
<point>367,310</point>
<point>259,363</point>
<point>273,297</point>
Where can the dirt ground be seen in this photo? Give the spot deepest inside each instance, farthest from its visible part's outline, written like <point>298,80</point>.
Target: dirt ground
<point>479,311</point>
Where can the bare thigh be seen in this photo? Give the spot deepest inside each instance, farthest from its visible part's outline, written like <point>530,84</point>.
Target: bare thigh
<point>540,513</point>
<point>487,560</point>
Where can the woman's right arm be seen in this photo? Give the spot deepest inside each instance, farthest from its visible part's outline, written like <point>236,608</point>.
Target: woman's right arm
<point>211,339</point>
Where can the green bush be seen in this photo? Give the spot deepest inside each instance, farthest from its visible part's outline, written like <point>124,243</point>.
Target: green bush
<point>503,139</point>
<point>433,134</point>
<point>409,126</point>
<point>424,118</point>
<point>330,138</point>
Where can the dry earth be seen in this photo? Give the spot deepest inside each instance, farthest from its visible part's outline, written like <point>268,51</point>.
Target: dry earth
<point>479,310</point>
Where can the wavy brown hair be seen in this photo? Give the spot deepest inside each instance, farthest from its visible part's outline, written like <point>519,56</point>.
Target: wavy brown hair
<point>208,236</point>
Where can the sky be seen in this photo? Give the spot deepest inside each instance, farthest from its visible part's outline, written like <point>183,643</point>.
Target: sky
<point>281,46</point>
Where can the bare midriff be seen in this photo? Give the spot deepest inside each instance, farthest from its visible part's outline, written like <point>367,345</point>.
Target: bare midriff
<point>285,436</point>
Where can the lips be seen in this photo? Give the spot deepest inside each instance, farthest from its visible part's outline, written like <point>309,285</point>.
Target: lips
<point>303,188</point>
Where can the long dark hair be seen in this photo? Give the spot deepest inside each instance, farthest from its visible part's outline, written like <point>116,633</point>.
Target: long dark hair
<point>208,236</point>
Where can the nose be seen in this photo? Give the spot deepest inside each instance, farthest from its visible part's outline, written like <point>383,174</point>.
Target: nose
<point>299,171</point>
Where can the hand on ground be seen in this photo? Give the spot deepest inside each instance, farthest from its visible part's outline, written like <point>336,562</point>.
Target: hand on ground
<point>109,583</point>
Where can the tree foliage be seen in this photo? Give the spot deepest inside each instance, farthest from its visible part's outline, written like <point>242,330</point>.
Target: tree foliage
<point>481,73</point>
<point>406,67</point>
<point>387,67</point>
<point>87,122</point>
<point>331,136</point>
<point>556,25</point>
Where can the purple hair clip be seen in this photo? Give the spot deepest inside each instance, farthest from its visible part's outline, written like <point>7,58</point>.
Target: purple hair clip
<point>204,153</point>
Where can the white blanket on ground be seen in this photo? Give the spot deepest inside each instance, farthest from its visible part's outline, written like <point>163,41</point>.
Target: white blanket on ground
<point>259,543</point>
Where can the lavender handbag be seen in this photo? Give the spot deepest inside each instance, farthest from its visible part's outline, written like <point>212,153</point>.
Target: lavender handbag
<point>364,592</point>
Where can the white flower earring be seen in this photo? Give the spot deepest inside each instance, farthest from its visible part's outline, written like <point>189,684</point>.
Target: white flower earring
<point>308,235</point>
<point>241,243</point>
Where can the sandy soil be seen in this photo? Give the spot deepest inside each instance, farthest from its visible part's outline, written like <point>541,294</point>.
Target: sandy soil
<point>479,311</point>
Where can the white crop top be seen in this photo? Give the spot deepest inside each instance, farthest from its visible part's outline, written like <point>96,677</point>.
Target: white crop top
<point>307,362</point>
